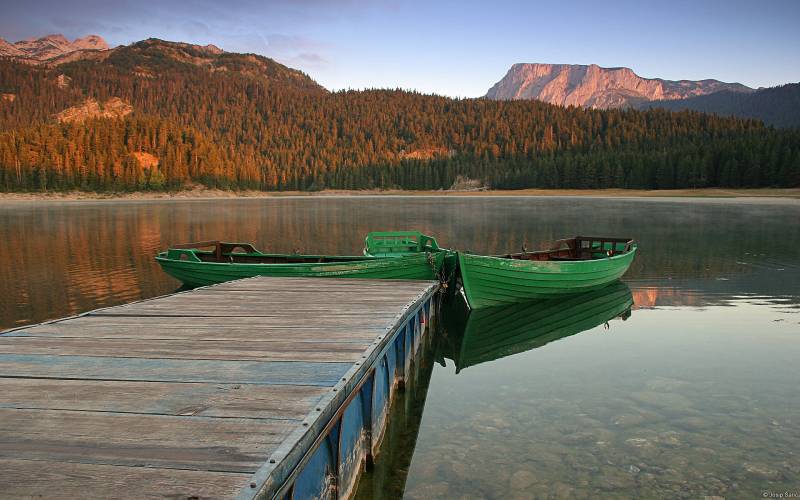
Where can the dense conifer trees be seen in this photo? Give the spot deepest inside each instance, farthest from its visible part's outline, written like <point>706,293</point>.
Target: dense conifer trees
<point>231,129</point>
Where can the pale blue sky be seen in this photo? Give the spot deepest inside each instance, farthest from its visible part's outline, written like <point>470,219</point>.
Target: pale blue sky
<point>450,48</point>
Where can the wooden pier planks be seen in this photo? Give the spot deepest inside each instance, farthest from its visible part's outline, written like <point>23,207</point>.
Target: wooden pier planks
<point>185,395</point>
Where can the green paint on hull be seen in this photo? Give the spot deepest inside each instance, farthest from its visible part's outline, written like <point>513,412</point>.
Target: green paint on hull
<point>496,332</point>
<point>191,273</point>
<point>491,281</point>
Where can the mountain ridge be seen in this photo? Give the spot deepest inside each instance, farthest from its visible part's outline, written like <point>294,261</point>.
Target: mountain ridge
<point>594,86</point>
<point>778,106</point>
<point>50,47</point>
<point>146,58</point>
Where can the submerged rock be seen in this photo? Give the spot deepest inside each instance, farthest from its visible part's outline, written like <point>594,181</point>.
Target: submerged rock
<point>665,384</point>
<point>762,471</point>
<point>522,479</point>
<point>628,420</point>
<point>434,490</point>
<point>638,442</point>
<point>665,400</point>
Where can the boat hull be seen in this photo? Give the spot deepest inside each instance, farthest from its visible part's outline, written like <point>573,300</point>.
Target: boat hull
<point>412,267</point>
<point>491,281</point>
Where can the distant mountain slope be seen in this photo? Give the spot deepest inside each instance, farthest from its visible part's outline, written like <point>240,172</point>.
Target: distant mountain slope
<point>778,106</point>
<point>49,48</point>
<point>149,57</point>
<point>596,87</point>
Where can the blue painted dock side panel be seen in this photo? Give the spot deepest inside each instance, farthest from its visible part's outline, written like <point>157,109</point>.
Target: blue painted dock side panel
<point>315,480</point>
<point>352,444</point>
<point>331,467</point>
<point>381,397</point>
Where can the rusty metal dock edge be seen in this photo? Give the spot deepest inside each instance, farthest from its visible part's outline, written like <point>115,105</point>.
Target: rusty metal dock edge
<point>324,457</point>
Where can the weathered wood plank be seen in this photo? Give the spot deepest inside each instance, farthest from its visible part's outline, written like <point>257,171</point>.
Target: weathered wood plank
<point>197,443</point>
<point>172,370</point>
<point>186,349</point>
<point>320,284</point>
<point>299,335</point>
<point>22,479</point>
<point>146,322</point>
<point>368,294</point>
<point>278,312</point>
<point>236,312</point>
<point>264,300</point>
<point>162,398</point>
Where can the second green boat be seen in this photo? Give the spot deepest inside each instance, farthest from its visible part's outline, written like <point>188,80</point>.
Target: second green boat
<point>568,266</point>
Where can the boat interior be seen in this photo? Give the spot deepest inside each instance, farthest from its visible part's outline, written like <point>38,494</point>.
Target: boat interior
<point>577,248</point>
<point>395,243</point>
<point>245,253</point>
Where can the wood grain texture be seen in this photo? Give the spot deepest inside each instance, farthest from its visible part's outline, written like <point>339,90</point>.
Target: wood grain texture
<point>147,331</point>
<point>171,370</point>
<point>187,349</point>
<point>162,398</point>
<point>183,396</point>
<point>24,479</point>
<point>197,443</point>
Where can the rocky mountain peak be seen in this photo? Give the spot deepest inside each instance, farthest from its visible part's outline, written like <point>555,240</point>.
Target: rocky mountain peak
<point>597,87</point>
<point>9,50</point>
<point>50,47</point>
<point>91,42</point>
<point>213,49</point>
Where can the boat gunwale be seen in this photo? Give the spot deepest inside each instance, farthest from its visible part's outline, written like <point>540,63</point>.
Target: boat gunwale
<point>357,259</point>
<point>503,258</point>
<point>630,245</point>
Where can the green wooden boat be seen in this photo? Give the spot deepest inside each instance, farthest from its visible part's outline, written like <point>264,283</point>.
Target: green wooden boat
<point>403,243</point>
<point>496,332</point>
<point>568,266</point>
<point>193,266</point>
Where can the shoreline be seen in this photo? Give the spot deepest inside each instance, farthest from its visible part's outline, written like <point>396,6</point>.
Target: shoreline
<point>216,194</point>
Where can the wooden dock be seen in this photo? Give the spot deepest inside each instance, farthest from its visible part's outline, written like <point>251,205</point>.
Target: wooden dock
<point>258,388</point>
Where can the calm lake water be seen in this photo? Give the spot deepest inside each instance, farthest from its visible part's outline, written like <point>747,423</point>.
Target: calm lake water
<point>682,382</point>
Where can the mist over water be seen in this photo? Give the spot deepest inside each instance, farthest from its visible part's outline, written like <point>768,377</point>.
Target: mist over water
<point>693,393</point>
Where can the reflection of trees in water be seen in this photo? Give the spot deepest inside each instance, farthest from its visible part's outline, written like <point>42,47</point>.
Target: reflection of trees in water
<point>63,258</point>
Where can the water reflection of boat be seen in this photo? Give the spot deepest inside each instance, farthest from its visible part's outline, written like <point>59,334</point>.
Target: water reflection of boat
<point>487,334</point>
